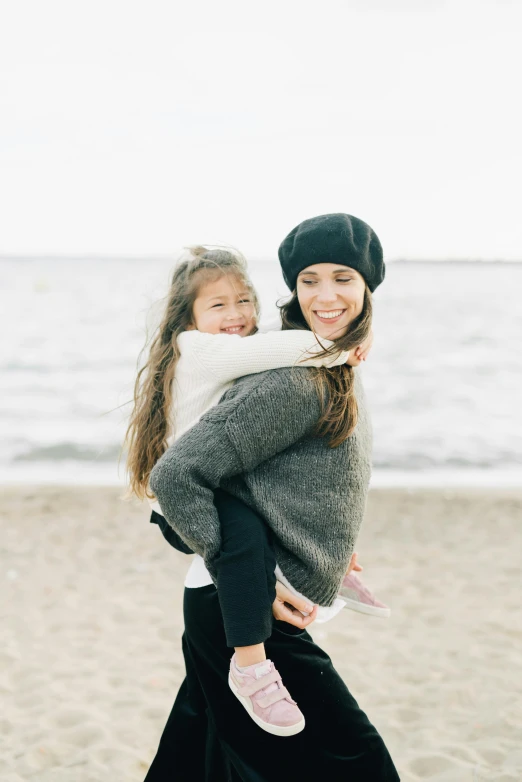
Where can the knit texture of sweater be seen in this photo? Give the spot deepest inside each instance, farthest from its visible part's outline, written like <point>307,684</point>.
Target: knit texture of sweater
<point>209,364</point>
<point>259,444</point>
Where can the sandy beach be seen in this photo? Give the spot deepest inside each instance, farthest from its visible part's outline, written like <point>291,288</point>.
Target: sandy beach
<point>91,617</point>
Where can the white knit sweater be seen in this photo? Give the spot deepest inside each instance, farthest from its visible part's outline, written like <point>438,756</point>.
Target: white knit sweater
<point>208,366</point>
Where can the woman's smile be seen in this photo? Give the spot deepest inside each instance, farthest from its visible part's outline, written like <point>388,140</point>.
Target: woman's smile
<point>331,297</point>
<point>328,315</point>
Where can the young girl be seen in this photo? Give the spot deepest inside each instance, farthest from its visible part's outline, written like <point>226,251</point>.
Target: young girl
<point>194,358</point>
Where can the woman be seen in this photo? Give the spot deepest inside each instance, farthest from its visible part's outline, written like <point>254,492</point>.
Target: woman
<point>294,445</point>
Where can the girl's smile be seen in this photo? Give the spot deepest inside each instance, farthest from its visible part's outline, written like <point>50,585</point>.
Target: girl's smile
<point>239,329</point>
<point>224,306</point>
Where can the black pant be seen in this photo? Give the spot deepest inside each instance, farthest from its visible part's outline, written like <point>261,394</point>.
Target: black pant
<point>244,569</point>
<point>210,738</point>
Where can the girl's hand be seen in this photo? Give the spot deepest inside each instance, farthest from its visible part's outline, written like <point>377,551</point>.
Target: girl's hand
<point>354,565</point>
<point>288,607</point>
<point>352,359</point>
<point>363,350</point>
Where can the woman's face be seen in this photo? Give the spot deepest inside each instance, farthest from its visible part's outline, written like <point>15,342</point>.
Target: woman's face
<point>331,297</point>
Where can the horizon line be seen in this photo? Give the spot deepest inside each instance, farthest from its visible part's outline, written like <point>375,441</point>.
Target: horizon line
<point>254,258</point>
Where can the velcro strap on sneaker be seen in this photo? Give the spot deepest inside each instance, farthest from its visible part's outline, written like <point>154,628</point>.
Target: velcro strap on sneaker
<point>260,684</point>
<point>273,697</point>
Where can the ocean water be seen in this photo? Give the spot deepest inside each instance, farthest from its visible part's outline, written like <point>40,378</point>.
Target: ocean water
<point>444,379</point>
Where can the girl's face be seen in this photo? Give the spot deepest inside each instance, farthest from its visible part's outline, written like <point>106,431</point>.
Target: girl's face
<point>331,297</point>
<point>224,306</point>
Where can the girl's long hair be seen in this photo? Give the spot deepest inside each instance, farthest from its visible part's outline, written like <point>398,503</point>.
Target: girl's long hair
<point>150,421</point>
<point>335,385</point>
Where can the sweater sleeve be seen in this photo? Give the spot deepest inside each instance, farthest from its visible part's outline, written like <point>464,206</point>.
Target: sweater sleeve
<point>234,437</point>
<point>229,356</point>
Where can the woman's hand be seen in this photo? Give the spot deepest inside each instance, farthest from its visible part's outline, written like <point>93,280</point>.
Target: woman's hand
<point>361,353</point>
<point>288,607</point>
<point>354,565</point>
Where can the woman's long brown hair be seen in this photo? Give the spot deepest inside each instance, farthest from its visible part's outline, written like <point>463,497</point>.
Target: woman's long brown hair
<point>150,420</point>
<point>335,385</point>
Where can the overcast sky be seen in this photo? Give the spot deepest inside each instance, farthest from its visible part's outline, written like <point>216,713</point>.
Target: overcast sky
<point>137,127</point>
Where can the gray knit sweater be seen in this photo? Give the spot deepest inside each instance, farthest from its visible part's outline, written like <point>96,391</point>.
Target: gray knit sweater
<point>258,444</point>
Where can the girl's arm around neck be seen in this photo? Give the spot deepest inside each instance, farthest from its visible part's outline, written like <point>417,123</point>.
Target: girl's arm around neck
<point>228,356</point>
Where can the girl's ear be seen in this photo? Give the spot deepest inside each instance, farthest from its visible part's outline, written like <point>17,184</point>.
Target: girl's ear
<point>191,327</point>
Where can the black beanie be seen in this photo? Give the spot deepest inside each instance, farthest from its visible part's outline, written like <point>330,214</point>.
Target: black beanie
<point>335,238</point>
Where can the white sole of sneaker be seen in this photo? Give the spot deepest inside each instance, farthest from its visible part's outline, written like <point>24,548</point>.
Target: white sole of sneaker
<point>362,608</point>
<point>275,730</point>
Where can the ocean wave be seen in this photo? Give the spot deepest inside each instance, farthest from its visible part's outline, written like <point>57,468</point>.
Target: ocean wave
<point>406,461</point>
<point>443,380</point>
<point>70,452</point>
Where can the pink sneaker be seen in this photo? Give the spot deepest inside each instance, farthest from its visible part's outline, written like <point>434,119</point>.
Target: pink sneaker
<point>260,690</point>
<point>359,598</point>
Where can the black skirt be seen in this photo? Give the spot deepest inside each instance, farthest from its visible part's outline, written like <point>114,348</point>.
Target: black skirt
<point>210,738</point>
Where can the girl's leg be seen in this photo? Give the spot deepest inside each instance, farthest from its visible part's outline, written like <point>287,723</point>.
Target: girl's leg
<point>245,578</point>
<point>338,742</point>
